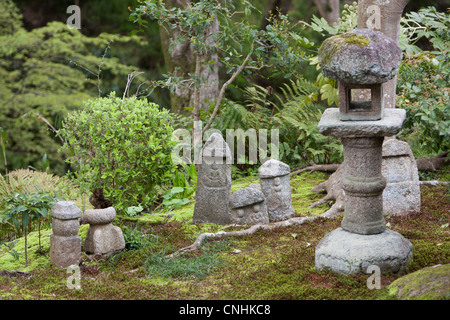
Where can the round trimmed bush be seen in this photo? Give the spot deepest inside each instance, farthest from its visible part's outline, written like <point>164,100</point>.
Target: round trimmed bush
<point>121,150</point>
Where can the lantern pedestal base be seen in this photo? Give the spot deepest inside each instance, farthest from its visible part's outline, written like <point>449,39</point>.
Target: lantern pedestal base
<point>351,253</point>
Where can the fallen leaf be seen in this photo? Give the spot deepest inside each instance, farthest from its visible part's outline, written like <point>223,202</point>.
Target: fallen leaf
<point>236,251</point>
<point>294,235</point>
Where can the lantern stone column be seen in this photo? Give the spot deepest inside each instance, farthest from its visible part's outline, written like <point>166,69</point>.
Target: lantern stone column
<point>362,180</point>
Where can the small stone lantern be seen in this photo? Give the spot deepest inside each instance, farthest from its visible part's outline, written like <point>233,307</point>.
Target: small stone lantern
<point>102,237</point>
<point>360,59</point>
<point>65,243</point>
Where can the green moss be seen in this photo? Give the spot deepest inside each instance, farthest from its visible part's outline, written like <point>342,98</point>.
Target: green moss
<point>334,45</point>
<point>301,194</point>
<point>36,258</point>
<point>269,264</point>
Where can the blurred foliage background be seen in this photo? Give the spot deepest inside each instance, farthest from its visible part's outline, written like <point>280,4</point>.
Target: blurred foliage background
<point>48,70</point>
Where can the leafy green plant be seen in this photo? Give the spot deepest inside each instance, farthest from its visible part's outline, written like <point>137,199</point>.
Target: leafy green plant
<point>45,73</point>
<point>174,199</point>
<point>184,186</point>
<point>123,147</point>
<point>10,249</point>
<point>22,208</point>
<point>135,239</point>
<point>422,87</point>
<point>27,180</point>
<point>133,210</point>
<point>295,113</point>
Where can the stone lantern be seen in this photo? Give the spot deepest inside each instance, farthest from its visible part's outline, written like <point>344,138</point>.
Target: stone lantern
<point>102,237</point>
<point>358,59</point>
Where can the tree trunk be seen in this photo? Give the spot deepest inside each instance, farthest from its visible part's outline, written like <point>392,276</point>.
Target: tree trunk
<point>329,10</point>
<point>180,59</point>
<point>273,7</point>
<point>383,16</point>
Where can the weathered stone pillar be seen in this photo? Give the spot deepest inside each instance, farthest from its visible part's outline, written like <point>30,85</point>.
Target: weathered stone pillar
<point>363,185</point>
<point>275,184</point>
<point>65,244</point>
<point>213,183</point>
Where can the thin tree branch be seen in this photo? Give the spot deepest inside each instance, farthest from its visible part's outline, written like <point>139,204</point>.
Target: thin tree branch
<point>224,87</point>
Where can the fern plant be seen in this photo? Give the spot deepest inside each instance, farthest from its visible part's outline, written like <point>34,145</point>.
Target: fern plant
<point>26,180</point>
<point>295,113</point>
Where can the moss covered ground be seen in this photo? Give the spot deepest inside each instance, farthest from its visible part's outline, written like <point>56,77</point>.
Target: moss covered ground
<point>268,265</point>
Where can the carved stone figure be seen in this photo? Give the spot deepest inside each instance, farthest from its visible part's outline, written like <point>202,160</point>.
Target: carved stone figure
<point>275,184</point>
<point>213,182</point>
<point>248,205</point>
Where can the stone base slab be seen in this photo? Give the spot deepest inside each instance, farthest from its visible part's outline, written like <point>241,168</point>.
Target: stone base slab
<point>350,253</point>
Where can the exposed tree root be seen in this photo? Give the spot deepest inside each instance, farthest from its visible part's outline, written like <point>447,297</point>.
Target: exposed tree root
<point>241,233</point>
<point>334,192</point>
<point>423,164</point>
<point>434,163</point>
<point>317,167</point>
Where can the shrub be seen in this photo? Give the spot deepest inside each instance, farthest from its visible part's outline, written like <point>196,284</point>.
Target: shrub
<point>423,79</point>
<point>121,148</point>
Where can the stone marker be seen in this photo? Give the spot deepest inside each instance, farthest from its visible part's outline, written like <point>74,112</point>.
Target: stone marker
<point>248,205</point>
<point>102,237</point>
<point>213,182</point>
<point>65,244</point>
<point>402,193</point>
<point>275,184</point>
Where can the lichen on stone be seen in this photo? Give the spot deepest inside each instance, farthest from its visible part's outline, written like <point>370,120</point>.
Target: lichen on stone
<point>334,45</point>
<point>361,56</point>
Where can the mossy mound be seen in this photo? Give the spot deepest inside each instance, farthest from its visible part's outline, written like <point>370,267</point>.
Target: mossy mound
<point>431,283</point>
